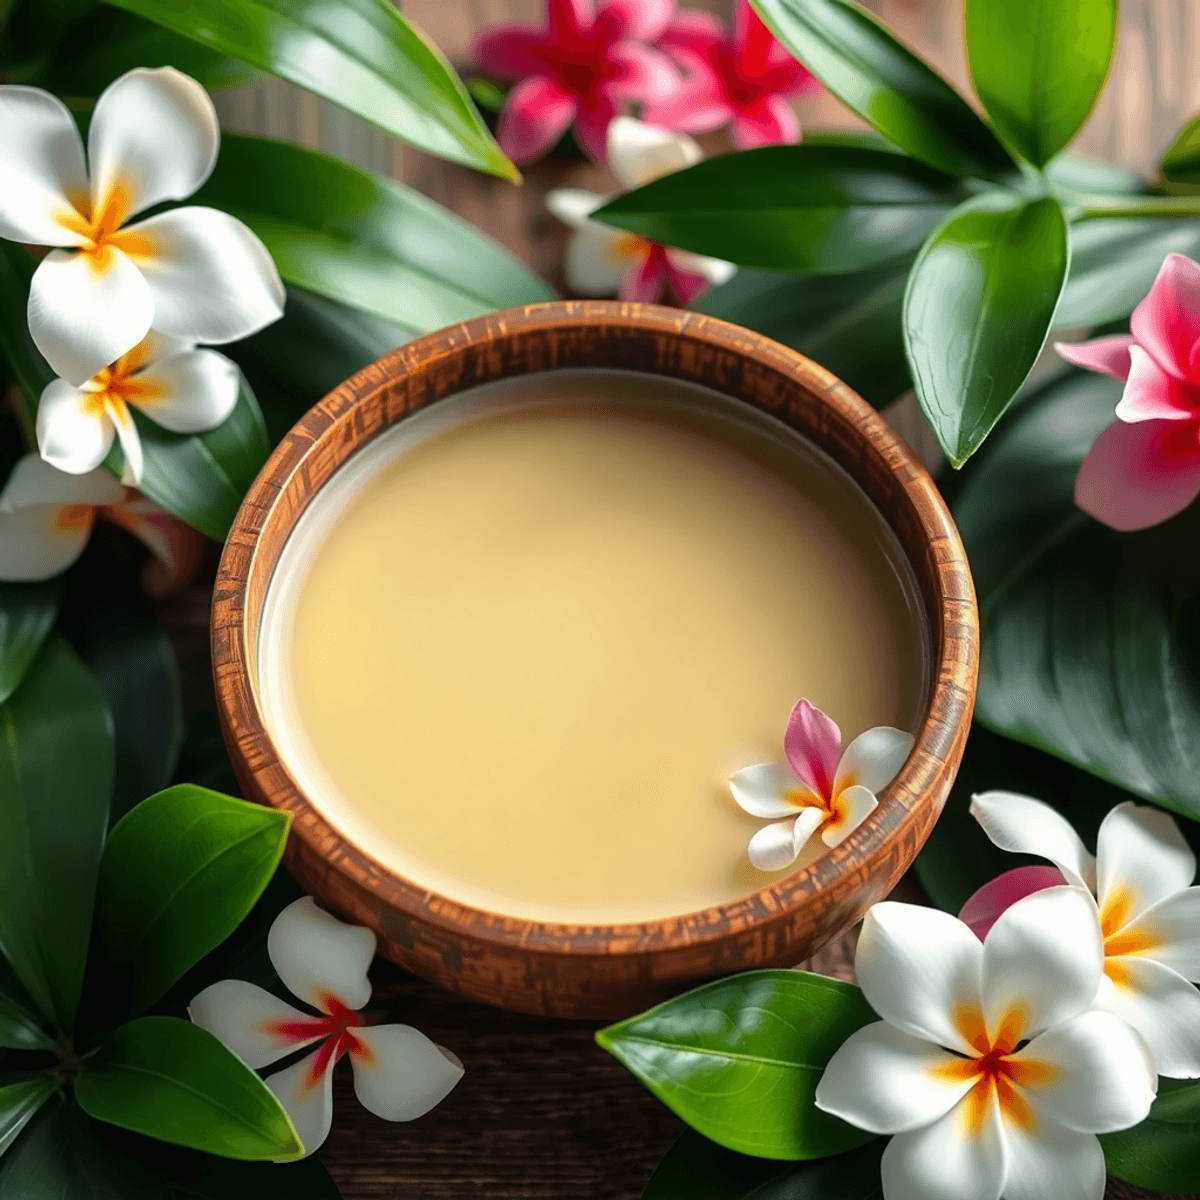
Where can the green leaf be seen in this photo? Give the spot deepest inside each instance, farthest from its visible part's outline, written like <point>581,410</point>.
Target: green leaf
<point>1181,162</point>
<point>858,59</point>
<point>27,614</point>
<point>1163,1152</point>
<point>56,773</point>
<point>1038,66</point>
<point>18,1104</point>
<point>172,1080</point>
<point>850,324</point>
<point>1089,635</point>
<point>190,1175</point>
<point>179,874</point>
<point>696,1169</point>
<point>25,361</point>
<point>202,477</point>
<point>360,54</point>
<point>815,208</point>
<point>20,1029</point>
<point>977,310</point>
<point>739,1059</point>
<point>364,240</point>
<point>1078,174</point>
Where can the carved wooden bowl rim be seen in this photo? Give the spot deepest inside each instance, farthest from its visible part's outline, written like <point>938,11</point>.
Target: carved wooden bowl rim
<point>335,427</point>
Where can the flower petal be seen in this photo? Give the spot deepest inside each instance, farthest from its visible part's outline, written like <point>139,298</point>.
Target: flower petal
<point>1042,963</point>
<point>35,481</point>
<point>40,540</point>
<point>851,808</point>
<point>251,1022</point>
<point>511,51</point>
<point>646,75</point>
<point>154,136</point>
<point>1108,355</point>
<point>984,907</point>
<point>777,846</point>
<point>1092,1074</point>
<point>318,956</point>
<point>536,114</point>
<point>403,1074</point>
<point>306,1092</point>
<point>212,279</point>
<point>920,969</point>
<point>1161,1005</point>
<point>638,152</point>
<point>177,547</point>
<point>598,259</point>
<point>1167,321</point>
<point>85,313</point>
<point>643,281</point>
<point>591,123</point>
<point>770,122</point>
<point>686,284</point>
<point>131,442</point>
<point>813,745</point>
<point>1151,394</point>
<point>763,790</point>
<point>1023,825</point>
<point>573,206</point>
<point>194,391</point>
<point>1135,476</point>
<point>959,1157</point>
<point>874,758</point>
<point>886,1081</point>
<point>1052,1161</point>
<point>715,271</point>
<point>1168,932</point>
<point>41,163</point>
<point>641,20</point>
<point>697,106</point>
<point>1141,858</point>
<point>73,433</point>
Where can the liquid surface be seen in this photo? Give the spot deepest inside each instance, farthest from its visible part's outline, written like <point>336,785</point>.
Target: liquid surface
<point>520,665</point>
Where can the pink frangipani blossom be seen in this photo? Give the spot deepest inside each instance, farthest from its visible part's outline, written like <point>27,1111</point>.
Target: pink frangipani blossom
<point>1145,467</point>
<point>745,79</point>
<point>580,68</point>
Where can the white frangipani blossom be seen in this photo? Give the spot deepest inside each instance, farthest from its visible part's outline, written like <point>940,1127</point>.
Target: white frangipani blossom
<point>990,1067</point>
<point>192,273</point>
<point>1147,910</point>
<point>601,260</point>
<point>399,1074</point>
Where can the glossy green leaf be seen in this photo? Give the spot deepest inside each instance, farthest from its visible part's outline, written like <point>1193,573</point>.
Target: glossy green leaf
<point>1076,173</point>
<point>27,614</point>
<point>1181,162</point>
<point>816,208</point>
<point>202,477</point>
<point>29,368</point>
<point>1163,1152</point>
<point>361,54</point>
<point>56,773</point>
<point>364,240</point>
<point>1089,635</point>
<point>850,324</point>
<point>190,1175</point>
<point>1038,66</point>
<point>977,309</point>
<point>696,1169</point>
<point>20,1029</point>
<point>860,61</point>
<point>172,1080</point>
<point>18,1104</point>
<point>739,1059</point>
<point>179,874</point>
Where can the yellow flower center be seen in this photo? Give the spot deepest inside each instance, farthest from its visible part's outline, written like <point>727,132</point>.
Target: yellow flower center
<point>102,228</point>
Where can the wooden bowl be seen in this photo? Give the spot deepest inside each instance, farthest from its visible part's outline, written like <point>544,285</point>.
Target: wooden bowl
<point>601,971</point>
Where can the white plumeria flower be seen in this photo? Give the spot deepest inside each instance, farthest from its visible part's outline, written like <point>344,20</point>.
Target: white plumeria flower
<point>399,1074</point>
<point>822,788</point>
<point>193,273</point>
<point>990,1066</point>
<point>177,386</point>
<point>601,260</point>
<point>1148,914</point>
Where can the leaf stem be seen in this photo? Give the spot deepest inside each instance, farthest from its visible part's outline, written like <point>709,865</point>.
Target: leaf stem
<point>1092,207</point>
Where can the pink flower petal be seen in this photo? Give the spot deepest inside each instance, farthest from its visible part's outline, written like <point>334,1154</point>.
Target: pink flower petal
<point>752,40</point>
<point>570,20</point>
<point>536,114</point>
<point>1151,394</point>
<point>512,52</point>
<point>696,107</point>
<point>644,282</point>
<point>1108,355</point>
<point>1138,475</point>
<point>687,285</point>
<point>644,75</point>
<point>813,746</point>
<point>591,126</point>
<point>642,20</point>
<point>1167,322</point>
<point>985,906</point>
<point>695,31</point>
<point>770,122</point>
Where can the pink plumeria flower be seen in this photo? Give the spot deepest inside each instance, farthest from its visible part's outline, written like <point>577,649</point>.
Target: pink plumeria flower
<point>192,273</point>
<point>990,1067</point>
<point>46,518</point>
<point>399,1074</point>
<point>1145,467</point>
<point>580,68</point>
<point>601,260</point>
<point>1147,912</point>
<point>746,79</point>
<point>822,788</point>
<point>177,386</point>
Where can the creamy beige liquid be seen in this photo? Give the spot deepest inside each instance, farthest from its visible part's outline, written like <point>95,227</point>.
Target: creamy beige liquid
<point>519,666</point>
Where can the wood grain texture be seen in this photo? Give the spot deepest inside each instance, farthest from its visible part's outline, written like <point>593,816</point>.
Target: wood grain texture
<point>594,970</point>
